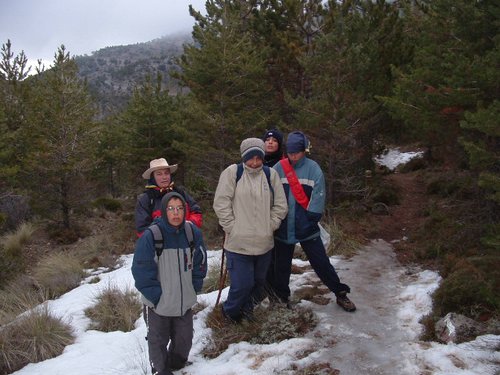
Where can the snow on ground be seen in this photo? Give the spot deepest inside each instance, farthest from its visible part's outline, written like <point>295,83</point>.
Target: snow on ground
<point>393,157</point>
<point>381,337</point>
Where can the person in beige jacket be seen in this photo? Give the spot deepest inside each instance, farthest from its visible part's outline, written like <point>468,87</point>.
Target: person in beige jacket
<point>250,203</point>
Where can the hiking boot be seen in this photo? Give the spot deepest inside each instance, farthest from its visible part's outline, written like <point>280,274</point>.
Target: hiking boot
<point>345,302</point>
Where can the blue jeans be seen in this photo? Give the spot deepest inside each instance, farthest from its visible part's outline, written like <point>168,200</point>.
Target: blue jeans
<point>280,269</point>
<point>248,278</point>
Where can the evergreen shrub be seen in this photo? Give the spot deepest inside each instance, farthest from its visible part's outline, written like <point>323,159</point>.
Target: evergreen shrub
<point>108,204</point>
<point>386,194</point>
<point>467,290</point>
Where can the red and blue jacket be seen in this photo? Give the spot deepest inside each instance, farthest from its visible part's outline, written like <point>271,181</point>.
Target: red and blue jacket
<point>148,207</point>
<point>301,224</point>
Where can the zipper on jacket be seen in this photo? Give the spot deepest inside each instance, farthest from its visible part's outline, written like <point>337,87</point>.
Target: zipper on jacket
<point>180,273</point>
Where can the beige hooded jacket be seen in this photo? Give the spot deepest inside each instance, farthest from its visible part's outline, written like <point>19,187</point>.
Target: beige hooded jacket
<point>247,211</point>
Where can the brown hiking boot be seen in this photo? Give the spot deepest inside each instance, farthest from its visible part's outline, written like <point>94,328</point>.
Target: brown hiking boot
<point>345,302</point>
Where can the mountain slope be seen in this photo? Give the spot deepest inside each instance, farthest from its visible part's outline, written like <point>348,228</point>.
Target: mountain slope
<point>113,72</point>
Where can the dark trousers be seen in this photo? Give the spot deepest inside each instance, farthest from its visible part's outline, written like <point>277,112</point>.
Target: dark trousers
<point>165,330</point>
<point>248,278</point>
<point>280,269</point>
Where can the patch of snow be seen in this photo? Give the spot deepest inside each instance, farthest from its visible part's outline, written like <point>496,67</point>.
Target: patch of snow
<point>394,157</point>
<point>380,338</point>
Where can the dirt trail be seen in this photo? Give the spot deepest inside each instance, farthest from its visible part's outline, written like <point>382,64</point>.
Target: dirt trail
<point>405,217</point>
<point>375,338</point>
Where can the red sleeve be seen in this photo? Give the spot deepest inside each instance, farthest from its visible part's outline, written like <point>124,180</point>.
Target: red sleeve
<point>194,217</point>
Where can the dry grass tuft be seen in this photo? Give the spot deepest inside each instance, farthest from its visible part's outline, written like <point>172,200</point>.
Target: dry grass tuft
<point>315,369</point>
<point>13,242</point>
<point>17,297</point>
<point>34,337</point>
<point>58,273</point>
<point>313,294</point>
<point>212,280</point>
<point>340,242</point>
<point>198,307</point>
<point>94,251</point>
<point>115,310</point>
<point>12,261</point>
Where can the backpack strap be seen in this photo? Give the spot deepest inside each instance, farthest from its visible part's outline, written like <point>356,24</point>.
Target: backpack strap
<point>267,172</point>
<point>157,238</point>
<point>188,228</point>
<point>239,172</point>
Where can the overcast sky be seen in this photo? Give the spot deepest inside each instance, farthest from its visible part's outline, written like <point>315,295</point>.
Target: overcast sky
<point>39,27</point>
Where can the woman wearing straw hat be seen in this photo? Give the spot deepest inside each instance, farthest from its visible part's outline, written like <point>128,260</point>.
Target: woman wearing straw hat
<point>159,176</point>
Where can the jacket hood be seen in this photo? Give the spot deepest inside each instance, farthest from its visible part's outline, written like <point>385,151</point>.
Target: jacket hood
<point>164,201</point>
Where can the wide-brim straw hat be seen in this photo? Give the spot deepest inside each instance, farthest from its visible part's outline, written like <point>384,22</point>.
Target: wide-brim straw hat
<point>157,164</point>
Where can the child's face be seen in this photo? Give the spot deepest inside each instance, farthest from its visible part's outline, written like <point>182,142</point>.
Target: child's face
<point>175,212</point>
<point>271,145</point>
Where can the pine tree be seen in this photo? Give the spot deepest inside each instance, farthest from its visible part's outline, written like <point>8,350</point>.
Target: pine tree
<point>152,126</point>
<point>225,72</point>
<point>348,69</point>
<point>289,30</point>
<point>448,96</point>
<point>14,92</point>
<point>62,135</point>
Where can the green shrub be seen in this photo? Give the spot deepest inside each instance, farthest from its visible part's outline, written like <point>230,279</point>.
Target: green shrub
<point>34,337</point>
<point>212,232</point>
<point>114,310</point>
<point>451,185</point>
<point>3,220</point>
<point>283,323</point>
<point>267,326</point>
<point>63,236</point>
<point>386,194</point>
<point>108,204</point>
<point>58,273</point>
<point>468,290</point>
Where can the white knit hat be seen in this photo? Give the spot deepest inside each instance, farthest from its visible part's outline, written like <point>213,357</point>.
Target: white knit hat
<point>251,147</point>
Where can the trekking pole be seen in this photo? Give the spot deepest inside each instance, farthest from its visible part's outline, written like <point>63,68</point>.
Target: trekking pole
<point>223,272</point>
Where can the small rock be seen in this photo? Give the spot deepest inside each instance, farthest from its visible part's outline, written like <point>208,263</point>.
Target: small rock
<point>380,208</point>
<point>458,328</point>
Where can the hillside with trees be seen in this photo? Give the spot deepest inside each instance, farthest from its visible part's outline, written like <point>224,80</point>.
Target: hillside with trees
<point>113,72</point>
<point>356,76</point>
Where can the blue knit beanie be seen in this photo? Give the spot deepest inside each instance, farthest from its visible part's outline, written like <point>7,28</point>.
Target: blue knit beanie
<point>296,142</point>
<point>275,133</point>
<point>251,147</point>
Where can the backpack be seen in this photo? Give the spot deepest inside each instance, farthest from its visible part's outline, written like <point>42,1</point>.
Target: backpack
<point>267,172</point>
<point>158,237</point>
